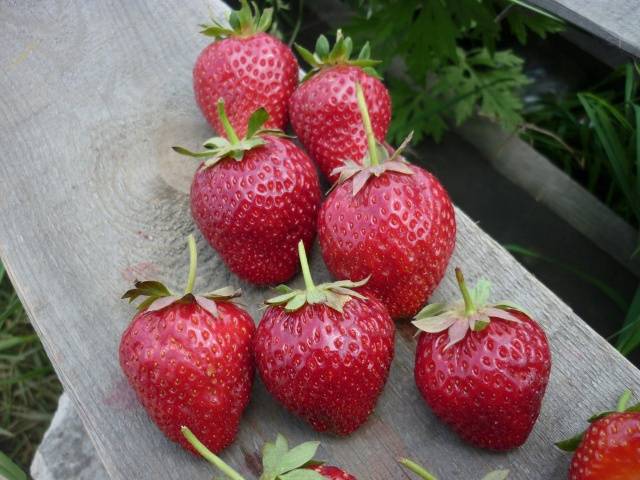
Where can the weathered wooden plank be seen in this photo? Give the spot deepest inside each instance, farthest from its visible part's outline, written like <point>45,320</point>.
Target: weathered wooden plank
<point>94,94</point>
<point>616,21</point>
<point>527,168</point>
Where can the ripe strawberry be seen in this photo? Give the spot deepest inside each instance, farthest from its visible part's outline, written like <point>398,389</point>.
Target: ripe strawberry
<point>423,473</point>
<point>254,198</point>
<point>247,68</point>
<point>610,448</point>
<point>323,109</point>
<point>487,374</point>
<point>390,220</point>
<point>325,352</point>
<point>189,359</point>
<point>278,462</point>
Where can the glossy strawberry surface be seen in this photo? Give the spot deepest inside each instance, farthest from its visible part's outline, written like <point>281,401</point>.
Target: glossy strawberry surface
<point>610,449</point>
<point>333,473</point>
<point>399,228</point>
<point>325,117</point>
<point>254,211</point>
<point>189,368</point>
<point>325,366</point>
<point>248,73</point>
<point>489,386</point>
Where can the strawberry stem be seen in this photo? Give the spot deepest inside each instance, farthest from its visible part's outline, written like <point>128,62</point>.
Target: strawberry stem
<point>193,263</point>
<point>417,469</point>
<point>304,263</point>
<point>222,114</point>
<point>209,455</point>
<point>469,307</point>
<point>623,401</point>
<point>371,139</point>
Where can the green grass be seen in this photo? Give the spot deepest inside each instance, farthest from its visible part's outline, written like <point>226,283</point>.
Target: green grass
<point>29,388</point>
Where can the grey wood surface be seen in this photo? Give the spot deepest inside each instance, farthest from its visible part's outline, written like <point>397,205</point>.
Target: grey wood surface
<point>532,171</point>
<point>91,197</point>
<point>616,21</point>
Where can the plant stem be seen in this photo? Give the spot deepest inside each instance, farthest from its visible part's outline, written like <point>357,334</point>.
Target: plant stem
<point>210,456</point>
<point>304,263</point>
<point>623,401</point>
<point>193,263</point>
<point>469,307</point>
<point>222,114</point>
<point>371,139</point>
<point>417,469</point>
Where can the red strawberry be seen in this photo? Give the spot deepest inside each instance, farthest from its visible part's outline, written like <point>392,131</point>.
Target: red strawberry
<point>253,199</point>
<point>278,461</point>
<point>324,111</point>
<point>189,359</point>
<point>482,369</point>
<point>325,352</point>
<point>422,473</point>
<point>248,69</point>
<point>610,448</point>
<point>390,220</point>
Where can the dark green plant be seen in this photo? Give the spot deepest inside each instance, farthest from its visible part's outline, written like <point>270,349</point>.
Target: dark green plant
<point>450,56</point>
<point>29,388</point>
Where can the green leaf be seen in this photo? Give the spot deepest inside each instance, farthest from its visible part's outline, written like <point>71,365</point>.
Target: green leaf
<point>322,46</point>
<point>296,302</point>
<point>285,297</point>
<point>256,121</point>
<point>629,336</point>
<point>431,310</point>
<point>265,20</point>
<point>306,55</point>
<point>297,457</point>
<point>480,292</point>
<point>365,52</point>
<point>189,153</point>
<point>316,296</point>
<point>496,475</point>
<point>10,470</point>
<point>571,444</point>
<point>302,474</point>
<point>271,455</point>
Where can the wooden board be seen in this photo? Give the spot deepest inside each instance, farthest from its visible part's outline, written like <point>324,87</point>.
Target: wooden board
<point>533,172</point>
<point>615,21</point>
<point>91,197</point>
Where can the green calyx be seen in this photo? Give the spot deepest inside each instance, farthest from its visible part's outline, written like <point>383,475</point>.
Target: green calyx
<point>334,294</point>
<point>278,461</point>
<point>571,444</point>
<point>158,296</point>
<point>425,475</point>
<point>242,23</point>
<point>218,148</point>
<point>472,313</point>
<point>325,56</point>
<point>377,160</point>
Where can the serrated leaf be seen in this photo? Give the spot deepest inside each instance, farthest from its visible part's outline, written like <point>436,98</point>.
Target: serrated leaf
<point>302,474</point>
<point>297,457</point>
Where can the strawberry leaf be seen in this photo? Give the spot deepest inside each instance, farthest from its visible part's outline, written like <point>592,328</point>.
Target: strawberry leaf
<point>571,444</point>
<point>297,457</point>
<point>496,475</point>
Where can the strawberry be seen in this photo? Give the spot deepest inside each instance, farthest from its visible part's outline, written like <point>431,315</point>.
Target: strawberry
<point>189,359</point>
<point>390,220</point>
<point>610,447</point>
<point>247,68</point>
<point>483,369</point>
<point>254,198</point>
<point>423,473</point>
<point>324,111</point>
<point>278,461</point>
<point>324,352</point>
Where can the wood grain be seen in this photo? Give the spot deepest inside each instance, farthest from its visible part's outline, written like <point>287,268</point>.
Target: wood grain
<point>93,96</point>
<point>615,21</point>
